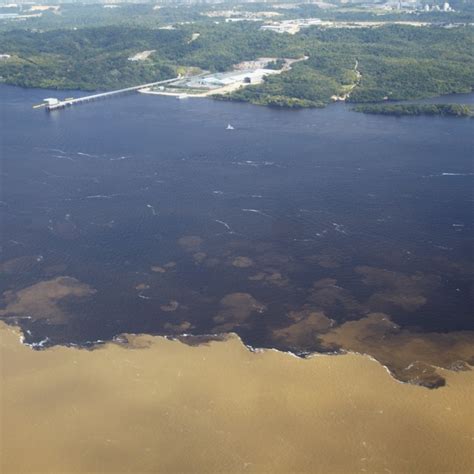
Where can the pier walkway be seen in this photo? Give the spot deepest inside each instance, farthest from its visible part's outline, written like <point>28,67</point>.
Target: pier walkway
<point>60,104</point>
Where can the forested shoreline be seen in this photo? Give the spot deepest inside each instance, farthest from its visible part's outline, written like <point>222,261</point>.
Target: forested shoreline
<point>364,65</point>
<point>399,110</point>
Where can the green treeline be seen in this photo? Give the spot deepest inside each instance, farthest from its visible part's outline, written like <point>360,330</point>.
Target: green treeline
<point>394,63</point>
<point>364,65</point>
<point>97,58</point>
<point>453,110</point>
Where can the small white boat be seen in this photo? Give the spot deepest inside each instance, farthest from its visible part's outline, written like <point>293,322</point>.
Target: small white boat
<point>229,127</point>
<point>182,96</point>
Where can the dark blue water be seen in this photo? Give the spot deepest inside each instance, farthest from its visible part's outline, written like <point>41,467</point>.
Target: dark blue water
<point>102,192</point>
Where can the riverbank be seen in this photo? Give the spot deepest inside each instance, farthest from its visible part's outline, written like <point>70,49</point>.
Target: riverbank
<point>156,405</point>
<point>221,85</point>
<point>397,62</point>
<point>399,110</point>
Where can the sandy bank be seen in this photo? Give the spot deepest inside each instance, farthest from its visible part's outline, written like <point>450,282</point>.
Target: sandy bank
<point>163,406</point>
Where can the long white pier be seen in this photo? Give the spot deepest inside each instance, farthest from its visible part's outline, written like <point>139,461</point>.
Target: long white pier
<point>60,104</point>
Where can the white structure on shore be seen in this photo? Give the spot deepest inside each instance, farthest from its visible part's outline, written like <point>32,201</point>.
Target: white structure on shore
<point>436,8</point>
<point>447,7</point>
<point>51,101</point>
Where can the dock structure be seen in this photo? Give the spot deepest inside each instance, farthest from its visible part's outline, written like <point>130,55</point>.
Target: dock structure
<point>54,104</point>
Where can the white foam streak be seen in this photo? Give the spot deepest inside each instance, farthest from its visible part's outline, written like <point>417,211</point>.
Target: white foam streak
<point>152,209</point>
<point>227,226</point>
<point>257,211</point>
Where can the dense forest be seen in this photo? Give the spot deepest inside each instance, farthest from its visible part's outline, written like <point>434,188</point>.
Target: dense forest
<point>152,15</point>
<point>392,62</point>
<point>398,110</point>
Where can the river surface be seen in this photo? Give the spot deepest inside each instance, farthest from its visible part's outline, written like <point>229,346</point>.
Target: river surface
<point>143,214</point>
